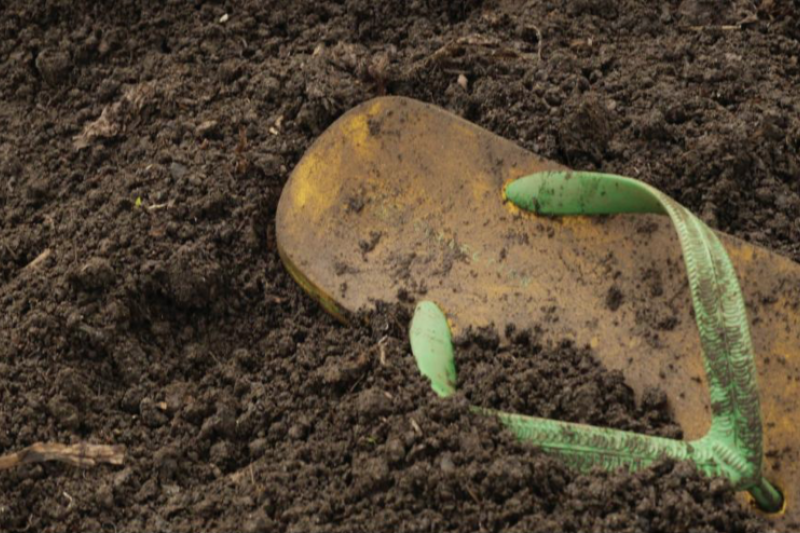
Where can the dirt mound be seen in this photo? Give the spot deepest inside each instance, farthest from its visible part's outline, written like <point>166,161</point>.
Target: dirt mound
<point>142,155</point>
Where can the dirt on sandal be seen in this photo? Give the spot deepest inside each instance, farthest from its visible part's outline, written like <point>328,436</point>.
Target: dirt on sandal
<point>143,148</point>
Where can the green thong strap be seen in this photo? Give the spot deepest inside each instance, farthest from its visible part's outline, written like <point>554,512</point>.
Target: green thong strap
<point>732,448</point>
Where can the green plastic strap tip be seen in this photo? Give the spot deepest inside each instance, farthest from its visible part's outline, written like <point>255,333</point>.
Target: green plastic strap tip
<point>733,446</point>
<point>433,348</point>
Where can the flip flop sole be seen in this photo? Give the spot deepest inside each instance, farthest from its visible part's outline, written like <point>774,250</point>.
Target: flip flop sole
<point>402,200</point>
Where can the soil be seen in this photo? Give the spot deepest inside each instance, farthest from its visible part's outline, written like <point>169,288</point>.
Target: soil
<point>143,148</point>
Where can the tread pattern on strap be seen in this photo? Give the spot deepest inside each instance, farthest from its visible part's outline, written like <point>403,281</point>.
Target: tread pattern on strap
<point>733,445</point>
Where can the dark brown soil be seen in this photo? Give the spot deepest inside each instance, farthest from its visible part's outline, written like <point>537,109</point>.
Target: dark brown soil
<point>143,149</point>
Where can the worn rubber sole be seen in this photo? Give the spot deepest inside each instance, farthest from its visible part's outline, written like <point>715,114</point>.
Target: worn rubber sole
<point>400,199</point>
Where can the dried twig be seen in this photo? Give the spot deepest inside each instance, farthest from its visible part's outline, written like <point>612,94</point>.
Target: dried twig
<point>479,45</point>
<point>74,454</point>
<point>472,494</point>
<point>720,28</point>
<point>538,42</point>
<point>41,258</point>
<point>750,18</point>
<point>382,357</point>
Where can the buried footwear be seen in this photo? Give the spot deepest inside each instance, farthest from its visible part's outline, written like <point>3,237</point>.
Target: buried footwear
<point>402,199</point>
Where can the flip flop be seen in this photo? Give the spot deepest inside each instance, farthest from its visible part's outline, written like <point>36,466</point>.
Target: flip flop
<point>402,200</point>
